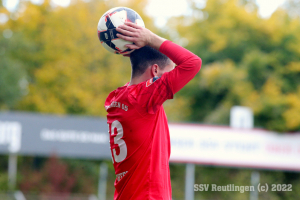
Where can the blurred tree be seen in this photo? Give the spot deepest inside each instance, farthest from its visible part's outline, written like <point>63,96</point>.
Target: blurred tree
<point>12,72</point>
<point>293,7</point>
<point>12,80</point>
<point>247,61</point>
<point>70,72</point>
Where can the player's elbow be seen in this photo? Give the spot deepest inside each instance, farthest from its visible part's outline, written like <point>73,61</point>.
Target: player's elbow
<point>197,62</point>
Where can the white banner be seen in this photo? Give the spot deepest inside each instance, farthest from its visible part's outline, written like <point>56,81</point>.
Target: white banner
<point>225,146</point>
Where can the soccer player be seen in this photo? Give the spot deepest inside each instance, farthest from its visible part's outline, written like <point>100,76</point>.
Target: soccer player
<point>138,126</point>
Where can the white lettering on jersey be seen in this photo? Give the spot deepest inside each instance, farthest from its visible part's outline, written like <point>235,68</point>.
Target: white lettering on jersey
<point>115,104</point>
<point>120,142</point>
<point>120,175</point>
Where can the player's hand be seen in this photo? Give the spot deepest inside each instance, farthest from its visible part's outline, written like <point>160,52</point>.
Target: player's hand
<point>140,36</point>
<point>134,33</point>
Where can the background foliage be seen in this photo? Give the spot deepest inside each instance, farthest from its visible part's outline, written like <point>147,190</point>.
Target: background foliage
<point>248,61</point>
<point>52,62</point>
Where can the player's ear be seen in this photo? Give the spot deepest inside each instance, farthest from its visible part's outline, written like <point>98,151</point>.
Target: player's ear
<point>154,70</point>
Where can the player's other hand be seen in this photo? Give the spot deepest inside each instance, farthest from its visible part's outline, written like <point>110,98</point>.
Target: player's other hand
<point>140,36</point>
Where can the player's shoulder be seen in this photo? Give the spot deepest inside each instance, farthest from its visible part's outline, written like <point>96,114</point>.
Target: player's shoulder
<point>112,95</point>
<point>116,91</point>
<point>109,99</point>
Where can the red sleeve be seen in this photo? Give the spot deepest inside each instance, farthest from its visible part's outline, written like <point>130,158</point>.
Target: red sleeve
<point>148,96</point>
<point>188,65</point>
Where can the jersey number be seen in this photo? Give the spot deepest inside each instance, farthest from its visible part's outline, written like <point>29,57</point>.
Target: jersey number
<point>117,140</point>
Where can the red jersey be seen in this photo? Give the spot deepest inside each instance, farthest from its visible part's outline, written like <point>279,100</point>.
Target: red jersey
<point>139,132</point>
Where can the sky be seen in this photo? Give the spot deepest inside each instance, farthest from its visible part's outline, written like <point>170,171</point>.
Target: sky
<point>161,10</point>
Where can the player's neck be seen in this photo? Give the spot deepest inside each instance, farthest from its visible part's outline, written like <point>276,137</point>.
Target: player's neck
<point>142,78</point>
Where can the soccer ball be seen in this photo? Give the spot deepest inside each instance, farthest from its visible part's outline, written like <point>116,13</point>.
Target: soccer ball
<point>107,32</point>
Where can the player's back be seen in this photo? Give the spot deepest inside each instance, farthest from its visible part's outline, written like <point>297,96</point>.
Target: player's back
<point>138,128</point>
<point>139,141</point>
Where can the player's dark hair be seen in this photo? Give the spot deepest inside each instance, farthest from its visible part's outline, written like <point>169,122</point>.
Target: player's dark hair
<point>144,57</point>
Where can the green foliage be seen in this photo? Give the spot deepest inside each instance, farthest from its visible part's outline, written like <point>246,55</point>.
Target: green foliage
<point>12,73</point>
<point>11,76</point>
<point>248,61</point>
<point>69,71</point>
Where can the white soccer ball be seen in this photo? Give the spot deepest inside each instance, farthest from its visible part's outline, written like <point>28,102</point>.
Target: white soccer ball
<point>107,32</point>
